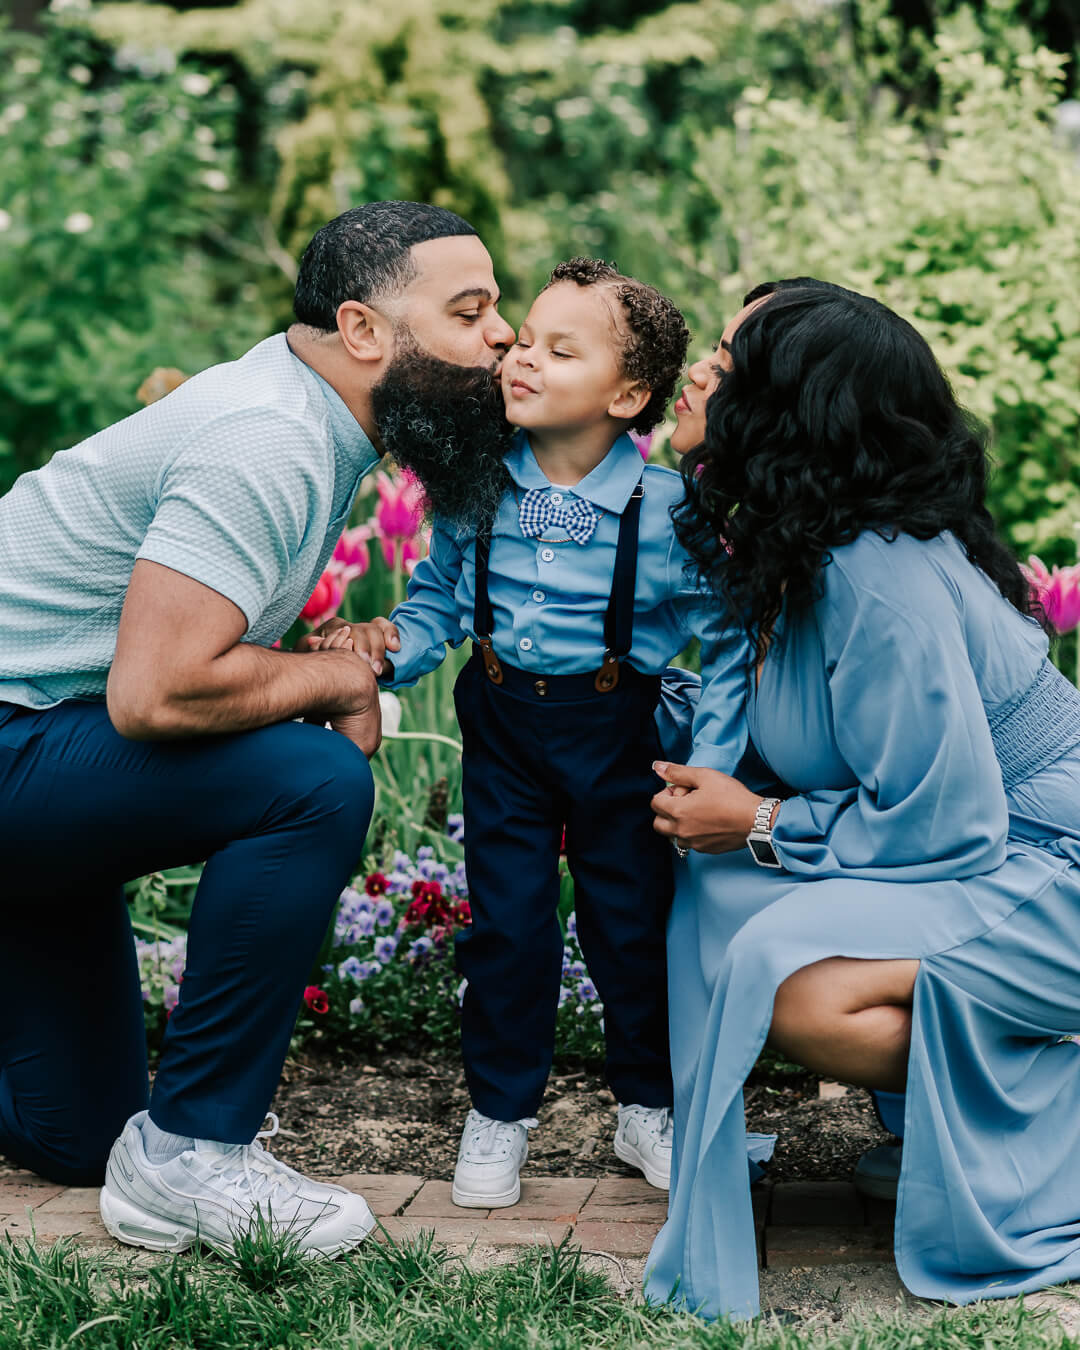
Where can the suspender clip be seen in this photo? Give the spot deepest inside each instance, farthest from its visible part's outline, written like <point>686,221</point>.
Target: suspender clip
<point>607,677</point>
<point>492,669</point>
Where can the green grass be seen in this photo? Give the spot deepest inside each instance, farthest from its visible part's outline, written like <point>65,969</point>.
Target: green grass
<point>411,1297</point>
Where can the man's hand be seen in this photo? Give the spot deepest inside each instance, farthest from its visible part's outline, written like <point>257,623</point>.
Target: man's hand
<point>704,809</point>
<point>373,640</point>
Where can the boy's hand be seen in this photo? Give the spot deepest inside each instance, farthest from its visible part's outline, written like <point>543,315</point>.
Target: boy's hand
<point>373,640</point>
<point>333,633</point>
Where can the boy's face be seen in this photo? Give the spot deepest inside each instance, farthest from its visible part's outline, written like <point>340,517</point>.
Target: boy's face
<point>563,372</point>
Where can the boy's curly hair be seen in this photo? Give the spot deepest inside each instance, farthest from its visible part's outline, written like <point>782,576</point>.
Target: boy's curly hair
<point>656,338</point>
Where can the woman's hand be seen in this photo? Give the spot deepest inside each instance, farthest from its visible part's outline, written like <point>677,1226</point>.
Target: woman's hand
<point>703,809</point>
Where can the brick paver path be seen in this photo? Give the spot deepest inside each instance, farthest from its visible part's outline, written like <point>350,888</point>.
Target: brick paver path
<point>799,1223</point>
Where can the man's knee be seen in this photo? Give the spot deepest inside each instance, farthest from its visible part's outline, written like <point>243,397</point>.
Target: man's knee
<point>315,775</point>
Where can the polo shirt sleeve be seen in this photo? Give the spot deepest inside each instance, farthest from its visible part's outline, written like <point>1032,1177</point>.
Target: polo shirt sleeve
<point>234,504</point>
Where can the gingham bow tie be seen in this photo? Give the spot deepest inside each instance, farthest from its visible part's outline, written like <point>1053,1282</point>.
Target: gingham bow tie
<point>538,511</point>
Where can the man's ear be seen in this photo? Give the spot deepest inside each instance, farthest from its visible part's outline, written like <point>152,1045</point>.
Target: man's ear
<point>630,401</point>
<point>367,335</point>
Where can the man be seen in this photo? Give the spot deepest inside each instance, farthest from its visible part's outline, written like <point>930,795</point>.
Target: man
<point>145,721</point>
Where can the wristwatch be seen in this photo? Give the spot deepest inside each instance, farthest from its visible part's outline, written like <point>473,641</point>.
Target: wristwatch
<point>759,840</point>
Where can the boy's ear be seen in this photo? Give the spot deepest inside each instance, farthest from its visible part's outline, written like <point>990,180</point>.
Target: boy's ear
<point>630,401</point>
<point>366,334</point>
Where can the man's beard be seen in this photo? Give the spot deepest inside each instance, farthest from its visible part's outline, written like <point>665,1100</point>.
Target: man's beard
<point>447,425</point>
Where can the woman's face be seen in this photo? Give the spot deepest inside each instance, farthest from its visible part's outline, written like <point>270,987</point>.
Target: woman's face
<point>704,376</point>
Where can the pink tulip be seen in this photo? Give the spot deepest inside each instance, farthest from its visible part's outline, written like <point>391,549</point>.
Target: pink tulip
<point>400,552</point>
<point>643,442</point>
<point>324,599</point>
<point>401,506</point>
<point>1058,591</point>
<point>351,558</point>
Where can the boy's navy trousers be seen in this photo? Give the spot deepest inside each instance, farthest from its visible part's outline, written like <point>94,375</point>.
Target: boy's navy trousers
<point>534,762</point>
<point>280,816</point>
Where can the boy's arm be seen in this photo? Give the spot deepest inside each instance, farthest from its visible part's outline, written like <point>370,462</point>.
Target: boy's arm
<point>719,730</point>
<point>429,619</point>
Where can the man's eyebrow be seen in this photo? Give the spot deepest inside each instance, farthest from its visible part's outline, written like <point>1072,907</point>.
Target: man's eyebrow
<point>480,292</point>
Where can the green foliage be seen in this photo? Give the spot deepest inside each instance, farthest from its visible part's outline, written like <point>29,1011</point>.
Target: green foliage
<point>415,1296</point>
<point>111,173</point>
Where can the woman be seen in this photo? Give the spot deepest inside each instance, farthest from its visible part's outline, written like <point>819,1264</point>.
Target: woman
<point>919,766</point>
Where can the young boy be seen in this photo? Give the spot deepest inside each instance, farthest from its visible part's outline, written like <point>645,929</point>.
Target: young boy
<point>575,603</point>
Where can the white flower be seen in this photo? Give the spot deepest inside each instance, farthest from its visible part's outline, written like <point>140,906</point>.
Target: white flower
<point>27,65</point>
<point>391,711</point>
<point>216,180</point>
<point>14,112</point>
<point>62,6</point>
<point>78,223</point>
<point>57,137</point>
<point>118,159</point>
<point>80,74</point>
<point>191,82</point>
<point>204,135</point>
<point>5,221</point>
<point>356,1006</point>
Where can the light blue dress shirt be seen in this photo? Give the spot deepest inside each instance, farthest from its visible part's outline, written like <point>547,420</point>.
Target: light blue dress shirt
<point>549,595</point>
<point>242,478</point>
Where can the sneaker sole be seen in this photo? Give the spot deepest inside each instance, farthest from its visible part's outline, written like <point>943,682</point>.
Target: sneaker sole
<point>633,1158</point>
<point>474,1200</point>
<point>135,1227</point>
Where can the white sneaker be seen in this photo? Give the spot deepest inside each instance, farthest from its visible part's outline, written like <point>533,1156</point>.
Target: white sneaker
<point>489,1160</point>
<point>214,1192</point>
<point>644,1140</point>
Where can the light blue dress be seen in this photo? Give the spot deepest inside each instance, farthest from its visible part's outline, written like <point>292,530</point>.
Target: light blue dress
<point>935,754</point>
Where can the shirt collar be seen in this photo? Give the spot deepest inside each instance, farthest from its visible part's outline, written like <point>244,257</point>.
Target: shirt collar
<point>609,486</point>
<point>350,439</point>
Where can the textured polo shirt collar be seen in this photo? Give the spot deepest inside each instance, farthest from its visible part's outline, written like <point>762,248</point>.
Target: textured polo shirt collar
<point>350,439</point>
<point>609,486</point>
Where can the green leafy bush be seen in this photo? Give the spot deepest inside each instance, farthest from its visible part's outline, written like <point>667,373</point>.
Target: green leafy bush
<point>112,170</point>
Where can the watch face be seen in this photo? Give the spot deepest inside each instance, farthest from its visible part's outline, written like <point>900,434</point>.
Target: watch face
<point>763,851</point>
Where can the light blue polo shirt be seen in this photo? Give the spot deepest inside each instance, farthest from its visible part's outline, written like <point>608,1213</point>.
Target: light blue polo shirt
<point>549,595</point>
<point>241,478</point>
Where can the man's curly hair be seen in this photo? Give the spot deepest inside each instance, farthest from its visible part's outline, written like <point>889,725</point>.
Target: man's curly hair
<point>655,335</point>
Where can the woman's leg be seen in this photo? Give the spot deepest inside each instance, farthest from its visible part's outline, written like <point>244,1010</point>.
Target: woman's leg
<point>850,1019</point>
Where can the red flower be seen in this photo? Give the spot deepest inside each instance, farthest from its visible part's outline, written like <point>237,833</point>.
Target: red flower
<point>376,884</point>
<point>462,912</point>
<point>317,999</point>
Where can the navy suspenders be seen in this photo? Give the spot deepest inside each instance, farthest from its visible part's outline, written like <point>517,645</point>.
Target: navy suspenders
<point>618,619</point>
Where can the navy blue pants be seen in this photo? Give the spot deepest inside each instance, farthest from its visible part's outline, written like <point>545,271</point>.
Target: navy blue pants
<point>280,816</point>
<point>531,764</point>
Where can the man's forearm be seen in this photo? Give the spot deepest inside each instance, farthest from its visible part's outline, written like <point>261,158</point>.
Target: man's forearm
<point>243,688</point>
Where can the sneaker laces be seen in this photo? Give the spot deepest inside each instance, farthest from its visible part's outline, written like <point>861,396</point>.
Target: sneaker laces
<point>486,1137</point>
<point>654,1122</point>
<point>250,1166</point>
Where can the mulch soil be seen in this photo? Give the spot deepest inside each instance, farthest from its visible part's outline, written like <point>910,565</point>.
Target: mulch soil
<point>389,1112</point>
<point>404,1113</point>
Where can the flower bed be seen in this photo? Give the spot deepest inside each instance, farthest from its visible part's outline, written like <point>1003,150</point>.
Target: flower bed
<point>387,976</point>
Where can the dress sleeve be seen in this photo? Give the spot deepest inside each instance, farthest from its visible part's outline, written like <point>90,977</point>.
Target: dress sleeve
<point>428,619</point>
<point>232,519</point>
<point>909,721</point>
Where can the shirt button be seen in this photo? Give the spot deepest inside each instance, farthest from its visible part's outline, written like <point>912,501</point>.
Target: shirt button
<point>525,644</point>
<point>539,596</point>
<point>556,499</point>
<point>547,555</point>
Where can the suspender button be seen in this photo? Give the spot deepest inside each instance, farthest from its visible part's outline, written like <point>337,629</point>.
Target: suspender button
<point>541,687</point>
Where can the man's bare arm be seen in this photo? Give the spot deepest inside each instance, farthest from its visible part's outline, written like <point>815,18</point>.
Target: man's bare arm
<point>180,669</point>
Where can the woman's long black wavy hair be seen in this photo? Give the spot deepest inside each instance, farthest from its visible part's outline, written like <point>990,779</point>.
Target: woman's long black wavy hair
<point>835,418</point>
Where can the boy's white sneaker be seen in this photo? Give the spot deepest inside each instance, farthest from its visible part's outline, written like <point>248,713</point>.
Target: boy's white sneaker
<point>214,1192</point>
<point>644,1140</point>
<point>490,1157</point>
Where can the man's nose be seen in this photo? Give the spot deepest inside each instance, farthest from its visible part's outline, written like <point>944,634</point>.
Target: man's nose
<point>499,335</point>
